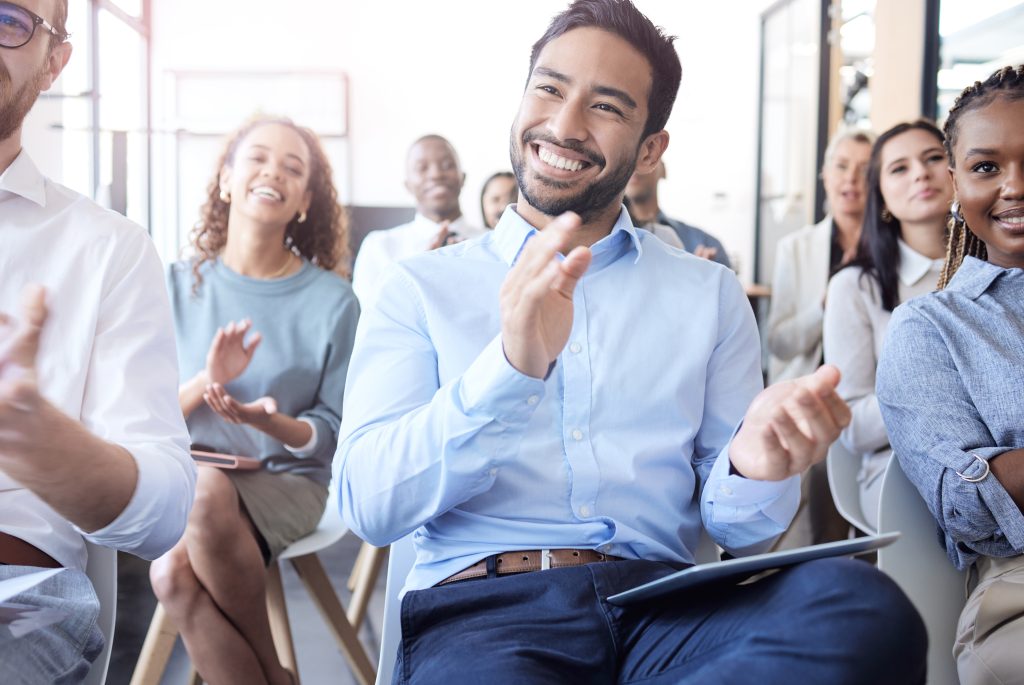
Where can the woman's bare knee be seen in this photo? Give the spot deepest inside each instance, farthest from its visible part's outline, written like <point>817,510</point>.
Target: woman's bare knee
<point>173,580</point>
<point>215,511</point>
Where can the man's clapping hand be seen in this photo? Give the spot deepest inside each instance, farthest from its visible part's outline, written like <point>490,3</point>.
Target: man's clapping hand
<point>790,426</point>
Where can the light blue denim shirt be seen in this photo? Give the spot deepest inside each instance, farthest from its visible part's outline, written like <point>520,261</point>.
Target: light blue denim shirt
<point>950,383</point>
<point>442,436</point>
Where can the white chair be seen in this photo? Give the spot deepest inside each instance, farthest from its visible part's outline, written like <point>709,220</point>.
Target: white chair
<point>302,554</point>
<point>102,571</point>
<point>843,467</point>
<point>400,562</point>
<point>919,565</point>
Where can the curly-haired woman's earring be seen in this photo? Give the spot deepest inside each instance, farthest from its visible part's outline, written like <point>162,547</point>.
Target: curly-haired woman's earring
<point>225,196</point>
<point>955,211</point>
<point>886,215</point>
<point>302,217</point>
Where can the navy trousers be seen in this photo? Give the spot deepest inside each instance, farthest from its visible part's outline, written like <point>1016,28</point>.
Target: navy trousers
<point>833,622</point>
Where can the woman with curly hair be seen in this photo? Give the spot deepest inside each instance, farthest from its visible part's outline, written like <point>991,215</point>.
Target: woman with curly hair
<point>270,233</point>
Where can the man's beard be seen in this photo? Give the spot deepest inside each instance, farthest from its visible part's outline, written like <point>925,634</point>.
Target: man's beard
<point>14,106</point>
<point>590,202</point>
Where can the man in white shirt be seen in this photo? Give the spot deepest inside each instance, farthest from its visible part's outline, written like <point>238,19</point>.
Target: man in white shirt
<point>92,442</point>
<point>434,177</point>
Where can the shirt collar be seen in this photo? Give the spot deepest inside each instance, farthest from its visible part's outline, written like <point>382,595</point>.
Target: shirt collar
<point>914,266</point>
<point>975,276</point>
<point>512,232</point>
<point>425,223</point>
<point>23,179</point>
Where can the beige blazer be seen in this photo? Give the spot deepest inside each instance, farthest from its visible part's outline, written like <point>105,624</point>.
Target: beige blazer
<point>797,307</point>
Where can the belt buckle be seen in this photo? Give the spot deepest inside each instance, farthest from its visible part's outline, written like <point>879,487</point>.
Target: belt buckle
<point>545,559</point>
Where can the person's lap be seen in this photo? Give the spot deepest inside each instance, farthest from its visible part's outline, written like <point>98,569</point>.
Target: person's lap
<point>991,626</point>
<point>61,652</point>
<point>831,621</point>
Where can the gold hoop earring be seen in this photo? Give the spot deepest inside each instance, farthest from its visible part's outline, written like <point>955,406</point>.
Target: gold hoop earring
<point>886,215</point>
<point>225,196</point>
<point>302,217</point>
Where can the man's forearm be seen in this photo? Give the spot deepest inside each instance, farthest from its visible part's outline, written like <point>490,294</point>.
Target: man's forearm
<point>86,480</point>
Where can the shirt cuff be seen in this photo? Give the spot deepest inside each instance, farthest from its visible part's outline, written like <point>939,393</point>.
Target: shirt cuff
<point>310,446</point>
<point>491,386</point>
<point>737,499</point>
<point>155,517</point>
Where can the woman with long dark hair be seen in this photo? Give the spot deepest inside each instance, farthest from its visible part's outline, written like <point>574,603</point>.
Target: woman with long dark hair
<point>899,257</point>
<point>264,331</point>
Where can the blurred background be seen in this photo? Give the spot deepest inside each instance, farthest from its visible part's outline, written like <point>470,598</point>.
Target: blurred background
<point>138,118</point>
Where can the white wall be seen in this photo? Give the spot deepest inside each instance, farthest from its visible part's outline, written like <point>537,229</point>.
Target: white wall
<point>457,67</point>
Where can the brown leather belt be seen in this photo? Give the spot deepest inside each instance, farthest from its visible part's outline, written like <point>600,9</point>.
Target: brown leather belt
<point>16,552</point>
<point>523,561</point>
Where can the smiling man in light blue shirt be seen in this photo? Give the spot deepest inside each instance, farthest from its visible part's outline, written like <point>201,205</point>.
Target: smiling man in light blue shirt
<point>510,401</point>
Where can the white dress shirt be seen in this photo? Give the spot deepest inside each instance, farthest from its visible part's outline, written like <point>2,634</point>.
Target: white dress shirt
<point>380,249</point>
<point>623,448</point>
<point>106,359</point>
<point>855,325</point>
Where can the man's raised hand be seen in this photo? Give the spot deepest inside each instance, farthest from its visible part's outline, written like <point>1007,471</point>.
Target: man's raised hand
<point>536,297</point>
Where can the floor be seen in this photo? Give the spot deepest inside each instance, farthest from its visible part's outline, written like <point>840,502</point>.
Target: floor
<point>320,661</point>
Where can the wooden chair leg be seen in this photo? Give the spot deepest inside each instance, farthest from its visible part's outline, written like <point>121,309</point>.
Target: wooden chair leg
<point>357,567</point>
<point>320,590</point>
<point>279,627</point>
<point>372,564</point>
<point>156,650</point>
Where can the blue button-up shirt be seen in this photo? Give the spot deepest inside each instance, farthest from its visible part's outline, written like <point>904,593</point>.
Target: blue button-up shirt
<point>623,448</point>
<point>949,386</point>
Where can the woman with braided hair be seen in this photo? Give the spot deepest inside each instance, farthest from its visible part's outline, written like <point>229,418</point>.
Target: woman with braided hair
<point>951,375</point>
<point>264,251</point>
<point>899,257</point>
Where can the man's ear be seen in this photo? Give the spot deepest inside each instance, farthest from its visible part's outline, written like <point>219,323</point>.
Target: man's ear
<point>55,63</point>
<point>651,150</point>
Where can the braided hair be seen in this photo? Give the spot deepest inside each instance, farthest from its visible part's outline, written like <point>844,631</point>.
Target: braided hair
<point>1007,82</point>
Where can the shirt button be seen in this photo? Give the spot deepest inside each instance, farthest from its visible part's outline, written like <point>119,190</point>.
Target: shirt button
<point>577,434</point>
<point>532,400</point>
<point>493,473</point>
<point>575,348</point>
<point>584,510</point>
<point>605,549</point>
<point>725,490</point>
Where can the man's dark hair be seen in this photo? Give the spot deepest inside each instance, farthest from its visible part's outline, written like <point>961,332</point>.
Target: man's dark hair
<point>624,20</point>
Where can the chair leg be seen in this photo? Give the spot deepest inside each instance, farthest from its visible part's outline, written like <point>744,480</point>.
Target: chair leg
<point>372,563</point>
<point>156,650</point>
<point>279,627</point>
<point>357,567</point>
<point>320,590</point>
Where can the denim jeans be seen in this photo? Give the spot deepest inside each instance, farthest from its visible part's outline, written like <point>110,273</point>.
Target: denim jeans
<point>63,652</point>
<point>832,622</point>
